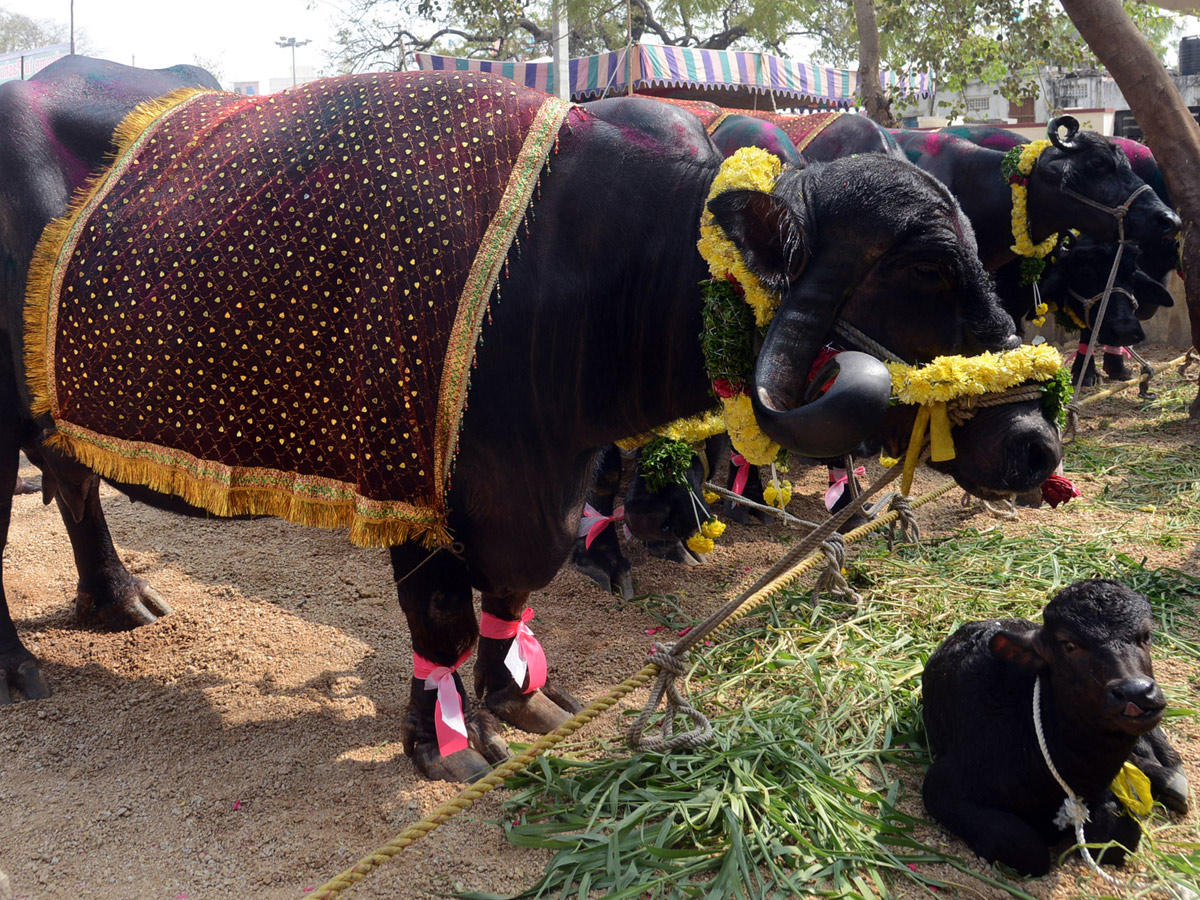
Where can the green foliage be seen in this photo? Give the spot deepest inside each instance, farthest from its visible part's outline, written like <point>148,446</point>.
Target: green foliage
<point>727,338</point>
<point>665,461</point>
<point>1056,396</point>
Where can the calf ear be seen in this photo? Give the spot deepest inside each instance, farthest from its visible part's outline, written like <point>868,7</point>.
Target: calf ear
<point>1020,648</point>
<point>769,233</point>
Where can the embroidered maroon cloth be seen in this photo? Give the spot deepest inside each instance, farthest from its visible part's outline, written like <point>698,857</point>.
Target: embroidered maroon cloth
<point>800,129</point>
<point>271,304</point>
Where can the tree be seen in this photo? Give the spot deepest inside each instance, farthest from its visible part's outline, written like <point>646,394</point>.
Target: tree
<point>382,33</point>
<point>18,32</point>
<point>1170,130</point>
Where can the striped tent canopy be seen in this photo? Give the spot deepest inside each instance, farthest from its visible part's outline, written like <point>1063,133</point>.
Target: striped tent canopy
<point>726,75</point>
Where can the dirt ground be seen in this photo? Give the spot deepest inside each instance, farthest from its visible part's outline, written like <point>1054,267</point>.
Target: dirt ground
<point>247,746</point>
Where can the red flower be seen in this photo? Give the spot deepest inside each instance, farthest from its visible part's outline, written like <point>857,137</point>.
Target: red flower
<point>1056,490</point>
<point>737,285</point>
<point>724,388</point>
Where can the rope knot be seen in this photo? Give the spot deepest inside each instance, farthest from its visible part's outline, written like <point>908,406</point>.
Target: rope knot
<point>1072,813</point>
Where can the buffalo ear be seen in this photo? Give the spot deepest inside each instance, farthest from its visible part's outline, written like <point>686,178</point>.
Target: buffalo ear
<point>1019,648</point>
<point>1150,291</point>
<point>769,233</point>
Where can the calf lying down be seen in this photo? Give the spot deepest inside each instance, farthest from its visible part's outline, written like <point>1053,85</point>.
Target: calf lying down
<point>990,782</point>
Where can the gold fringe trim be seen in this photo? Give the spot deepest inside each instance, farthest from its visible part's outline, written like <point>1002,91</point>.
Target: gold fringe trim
<point>371,523</point>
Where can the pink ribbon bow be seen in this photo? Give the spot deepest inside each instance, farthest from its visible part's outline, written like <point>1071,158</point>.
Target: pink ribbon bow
<point>594,522</point>
<point>743,473</point>
<point>524,654</point>
<point>448,718</point>
<point>838,479</point>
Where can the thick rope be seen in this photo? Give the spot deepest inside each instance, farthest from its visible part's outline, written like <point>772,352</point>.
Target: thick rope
<point>832,580</point>
<point>1075,407</point>
<point>868,344</point>
<point>511,766</point>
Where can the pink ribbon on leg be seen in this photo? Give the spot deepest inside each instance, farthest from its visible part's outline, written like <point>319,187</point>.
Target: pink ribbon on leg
<point>837,484</point>
<point>525,654</point>
<point>594,522</point>
<point>448,718</point>
<point>743,473</point>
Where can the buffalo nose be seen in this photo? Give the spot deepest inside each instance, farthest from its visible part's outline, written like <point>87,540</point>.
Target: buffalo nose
<point>1137,695</point>
<point>1012,342</point>
<point>1170,223</point>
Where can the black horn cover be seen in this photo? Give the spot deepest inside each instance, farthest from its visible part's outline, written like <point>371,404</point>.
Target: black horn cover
<point>835,422</point>
<point>1069,143</point>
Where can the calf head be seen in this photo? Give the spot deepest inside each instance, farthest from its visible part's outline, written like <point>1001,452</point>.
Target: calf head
<point>1083,164</point>
<point>1076,281</point>
<point>1094,650</point>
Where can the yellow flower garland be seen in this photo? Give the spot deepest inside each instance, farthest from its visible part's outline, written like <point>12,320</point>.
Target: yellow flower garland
<point>749,168</point>
<point>1024,245</point>
<point>947,378</point>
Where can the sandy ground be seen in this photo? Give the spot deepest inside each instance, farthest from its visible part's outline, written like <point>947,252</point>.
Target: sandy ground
<point>247,746</point>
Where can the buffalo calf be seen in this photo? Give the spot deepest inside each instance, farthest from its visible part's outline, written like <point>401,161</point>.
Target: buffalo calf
<point>989,782</point>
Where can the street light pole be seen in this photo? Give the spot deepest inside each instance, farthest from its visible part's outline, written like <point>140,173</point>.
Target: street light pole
<point>293,43</point>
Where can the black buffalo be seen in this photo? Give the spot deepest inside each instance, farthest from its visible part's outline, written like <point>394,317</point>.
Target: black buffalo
<point>989,782</point>
<point>872,238</point>
<point>1082,163</point>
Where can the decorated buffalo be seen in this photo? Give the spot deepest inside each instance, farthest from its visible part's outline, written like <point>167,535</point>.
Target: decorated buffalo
<point>1080,180</point>
<point>375,302</point>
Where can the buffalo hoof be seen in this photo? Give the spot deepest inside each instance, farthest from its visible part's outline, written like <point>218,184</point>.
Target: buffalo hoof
<point>26,487</point>
<point>619,582</point>
<point>534,712</point>
<point>465,765</point>
<point>139,605</point>
<point>672,551</point>
<point>1032,499</point>
<point>19,672</point>
<point>1172,792</point>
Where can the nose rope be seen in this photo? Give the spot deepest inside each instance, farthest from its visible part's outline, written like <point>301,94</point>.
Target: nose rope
<point>1088,302</point>
<point>1118,213</point>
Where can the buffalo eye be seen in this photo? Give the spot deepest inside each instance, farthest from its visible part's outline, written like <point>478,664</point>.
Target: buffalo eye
<point>931,273</point>
<point>1069,647</point>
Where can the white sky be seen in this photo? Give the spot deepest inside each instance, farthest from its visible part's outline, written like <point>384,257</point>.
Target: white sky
<point>236,36</point>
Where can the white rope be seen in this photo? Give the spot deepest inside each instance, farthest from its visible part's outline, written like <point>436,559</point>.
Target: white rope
<point>1074,811</point>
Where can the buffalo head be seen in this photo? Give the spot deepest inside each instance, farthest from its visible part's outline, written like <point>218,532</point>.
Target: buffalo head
<point>886,248</point>
<point>1083,181</point>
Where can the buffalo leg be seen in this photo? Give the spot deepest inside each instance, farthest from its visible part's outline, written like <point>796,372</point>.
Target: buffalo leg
<point>107,596</point>
<point>435,595</point>
<point>18,668</point>
<point>603,561</point>
<point>1162,764</point>
<point>539,711</point>
<point>995,834</point>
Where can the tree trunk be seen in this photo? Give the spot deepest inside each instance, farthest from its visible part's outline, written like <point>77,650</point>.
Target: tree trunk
<point>877,106</point>
<point>1170,130</point>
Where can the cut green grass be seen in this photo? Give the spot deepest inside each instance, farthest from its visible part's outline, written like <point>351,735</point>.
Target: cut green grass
<point>811,784</point>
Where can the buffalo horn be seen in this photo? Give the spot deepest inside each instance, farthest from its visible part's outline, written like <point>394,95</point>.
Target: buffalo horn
<point>1072,125</point>
<point>834,423</point>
